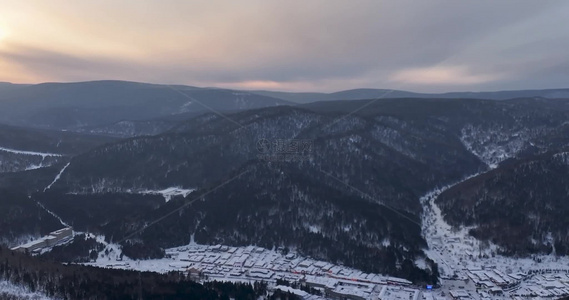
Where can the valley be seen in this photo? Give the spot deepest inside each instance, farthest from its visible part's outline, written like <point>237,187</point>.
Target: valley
<point>352,198</point>
<point>477,267</point>
<point>284,150</point>
<point>466,265</point>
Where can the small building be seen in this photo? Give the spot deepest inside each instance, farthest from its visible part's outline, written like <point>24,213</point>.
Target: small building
<point>398,281</point>
<point>342,292</point>
<point>31,246</point>
<point>320,282</point>
<point>49,240</point>
<point>496,291</point>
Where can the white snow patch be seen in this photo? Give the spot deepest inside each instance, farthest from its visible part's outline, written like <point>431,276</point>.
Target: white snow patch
<point>421,263</point>
<point>314,228</point>
<point>54,215</point>
<point>186,107</point>
<point>56,177</point>
<point>42,154</point>
<point>34,167</point>
<point>170,192</point>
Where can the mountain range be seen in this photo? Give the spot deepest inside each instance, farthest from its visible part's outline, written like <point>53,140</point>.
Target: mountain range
<point>111,106</point>
<point>336,180</point>
<point>359,94</point>
<point>73,106</point>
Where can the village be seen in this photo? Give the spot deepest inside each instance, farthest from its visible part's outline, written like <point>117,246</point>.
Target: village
<point>249,264</point>
<point>464,273</point>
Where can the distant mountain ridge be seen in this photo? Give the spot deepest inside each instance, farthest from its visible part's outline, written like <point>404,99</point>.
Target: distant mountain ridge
<point>6,86</point>
<point>109,105</point>
<point>73,106</point>
<point>360,94</point>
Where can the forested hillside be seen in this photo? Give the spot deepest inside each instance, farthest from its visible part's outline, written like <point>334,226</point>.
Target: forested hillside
<point>356,186</point>
<point>334,182</point>
<point>522,206</point>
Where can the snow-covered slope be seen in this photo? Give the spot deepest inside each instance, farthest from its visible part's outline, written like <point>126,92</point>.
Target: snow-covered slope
<point>494,144</point>
<point>455,250</point>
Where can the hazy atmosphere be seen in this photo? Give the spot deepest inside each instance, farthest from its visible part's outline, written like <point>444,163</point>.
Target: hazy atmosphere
<point>426,46</point>
<point>290,150</point>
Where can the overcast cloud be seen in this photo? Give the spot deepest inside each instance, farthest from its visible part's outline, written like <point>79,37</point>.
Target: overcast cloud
<point>317,45</point>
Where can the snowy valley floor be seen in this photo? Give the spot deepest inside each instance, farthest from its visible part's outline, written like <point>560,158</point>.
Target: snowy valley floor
<point>468,266</point>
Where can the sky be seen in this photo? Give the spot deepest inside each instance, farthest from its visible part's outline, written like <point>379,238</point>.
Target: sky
<point>292,45</point>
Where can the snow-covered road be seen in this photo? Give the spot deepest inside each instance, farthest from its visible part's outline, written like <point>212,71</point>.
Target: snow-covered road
<point>23,152</point>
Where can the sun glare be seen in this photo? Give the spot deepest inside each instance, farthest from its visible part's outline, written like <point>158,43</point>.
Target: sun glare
<point>3,33</point>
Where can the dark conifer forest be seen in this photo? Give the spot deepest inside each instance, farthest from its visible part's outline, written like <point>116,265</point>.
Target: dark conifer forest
<point>80,282</point>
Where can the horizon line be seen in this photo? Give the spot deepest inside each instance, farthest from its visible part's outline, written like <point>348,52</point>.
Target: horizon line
<point>279,91</point>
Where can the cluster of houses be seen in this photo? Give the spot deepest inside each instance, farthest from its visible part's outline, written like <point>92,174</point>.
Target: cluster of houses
<point>52,239</point>
<point>494,280</point>
<point>340,288</point>
<point>545,285</point>
<point>344,289</point>
<point>255,263</point>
